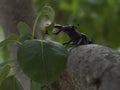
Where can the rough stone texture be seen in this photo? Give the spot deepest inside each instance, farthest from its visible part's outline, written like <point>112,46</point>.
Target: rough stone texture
<point>90,67</point>
<point>94,67</point>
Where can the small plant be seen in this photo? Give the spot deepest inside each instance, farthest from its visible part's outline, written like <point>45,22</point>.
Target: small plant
<point>41,60</point>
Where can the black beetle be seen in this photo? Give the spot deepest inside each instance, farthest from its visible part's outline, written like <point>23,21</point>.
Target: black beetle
<point>76,38</point>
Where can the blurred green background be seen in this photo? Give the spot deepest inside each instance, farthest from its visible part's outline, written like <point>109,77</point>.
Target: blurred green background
<point>99,19</point>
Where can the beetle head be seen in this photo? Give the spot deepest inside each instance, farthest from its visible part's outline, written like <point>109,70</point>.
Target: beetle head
<point>64,28</point>
<point>58,29</point>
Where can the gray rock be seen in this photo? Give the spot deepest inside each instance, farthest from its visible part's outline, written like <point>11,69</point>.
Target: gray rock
<point>94,67</point>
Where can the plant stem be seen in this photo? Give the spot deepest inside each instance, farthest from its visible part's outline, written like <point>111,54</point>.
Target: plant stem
<point>35,24</point>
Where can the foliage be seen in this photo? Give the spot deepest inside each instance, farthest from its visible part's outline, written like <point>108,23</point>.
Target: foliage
<point>25,32</point>
<point>35,86</point>
<point>4,70</point>
<point>42,60</point>
<point>44,19</point>
<point>10,39</point>
<point>10,83</point>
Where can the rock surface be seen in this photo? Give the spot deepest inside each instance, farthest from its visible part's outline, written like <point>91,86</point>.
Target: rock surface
<point>90,67</point>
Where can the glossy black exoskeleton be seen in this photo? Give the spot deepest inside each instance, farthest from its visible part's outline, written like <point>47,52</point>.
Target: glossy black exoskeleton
<point>76,38</point>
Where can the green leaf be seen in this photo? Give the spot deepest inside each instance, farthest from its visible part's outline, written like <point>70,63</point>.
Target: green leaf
<point>42,60</point>
<point>12,38</point>
<point>5,63</point>
<point>35,86</point>
<point>49,12</point>
<point>11,84</point>
<point>25,31</point>
<point>44,19</point>
<point>3,73</point>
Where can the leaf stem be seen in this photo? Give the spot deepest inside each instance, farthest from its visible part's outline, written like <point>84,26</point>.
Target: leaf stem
<point>35,24</point>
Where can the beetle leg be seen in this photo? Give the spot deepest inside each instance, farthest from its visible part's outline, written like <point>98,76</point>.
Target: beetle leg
<point>79,42</point>
<point>67,42</point>
<point>73,43</point>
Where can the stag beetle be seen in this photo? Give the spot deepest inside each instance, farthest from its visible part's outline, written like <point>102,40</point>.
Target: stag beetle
<point>76,38</point>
